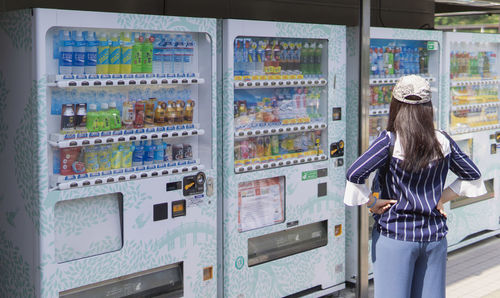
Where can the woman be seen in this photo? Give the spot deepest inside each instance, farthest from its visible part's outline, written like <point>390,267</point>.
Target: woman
<point>409,237</point>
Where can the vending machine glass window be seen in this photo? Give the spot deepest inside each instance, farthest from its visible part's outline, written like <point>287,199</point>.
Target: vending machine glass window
<point>129,108</point>
<point>474,87</point>
<point>391,59</point>
<point>280,102</point>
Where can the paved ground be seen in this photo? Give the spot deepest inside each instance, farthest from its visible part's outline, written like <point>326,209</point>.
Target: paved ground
<point>472,272</point>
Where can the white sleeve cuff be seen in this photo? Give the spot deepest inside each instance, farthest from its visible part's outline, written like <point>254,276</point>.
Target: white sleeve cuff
<point>356,194</point>
<point>468,188</point>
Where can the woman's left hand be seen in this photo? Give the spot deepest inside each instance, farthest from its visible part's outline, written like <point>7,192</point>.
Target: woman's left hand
<point>382,205</point>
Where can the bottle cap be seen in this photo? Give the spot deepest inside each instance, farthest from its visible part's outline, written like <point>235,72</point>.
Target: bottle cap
<point>112,105</point>
<point>93,106</point>
<point>104,106</point>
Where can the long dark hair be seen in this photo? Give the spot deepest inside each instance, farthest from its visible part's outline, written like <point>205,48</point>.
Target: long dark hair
<point>414,125</point>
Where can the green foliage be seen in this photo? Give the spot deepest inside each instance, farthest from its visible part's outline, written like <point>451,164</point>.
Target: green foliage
<point>469,20</point>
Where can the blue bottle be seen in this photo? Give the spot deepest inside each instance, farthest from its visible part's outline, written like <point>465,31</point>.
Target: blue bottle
<point>79,53</point>
<point>66,54</point>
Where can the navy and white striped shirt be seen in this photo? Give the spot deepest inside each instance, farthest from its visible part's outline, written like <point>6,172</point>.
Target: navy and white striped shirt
<point>414,217</point>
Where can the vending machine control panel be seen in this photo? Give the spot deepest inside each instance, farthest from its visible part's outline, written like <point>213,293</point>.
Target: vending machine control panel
<point>193,185</point>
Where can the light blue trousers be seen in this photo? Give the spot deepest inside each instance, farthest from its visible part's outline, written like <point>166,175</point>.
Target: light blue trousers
<point>405,269</point>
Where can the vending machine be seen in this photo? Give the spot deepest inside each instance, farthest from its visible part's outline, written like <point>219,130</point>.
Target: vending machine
<point>471,115</point>
<point>393,53</point>
<point>283,157</point>
<point>108,152</point>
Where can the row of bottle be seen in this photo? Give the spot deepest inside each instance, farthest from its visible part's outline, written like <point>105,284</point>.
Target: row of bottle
<point>97,158</point>
<point>135,114</point>
<point>474,94</point>
<point>123,53</point>
<point>381,95</point>
<point>276,145</point>
<point>285,103</point>
<point>256,56</point>
<point>465,64</point>
<point>475,117</point>
<point>395,61</point>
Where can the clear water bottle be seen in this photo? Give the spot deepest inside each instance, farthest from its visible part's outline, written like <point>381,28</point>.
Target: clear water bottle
<point>178,54</point>
<point>91,53</point>
<point>79,53</point>
<point>189,55</point>
<point>66,54</point>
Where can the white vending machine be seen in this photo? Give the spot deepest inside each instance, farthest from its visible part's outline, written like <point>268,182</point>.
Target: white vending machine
<point>471,115</point>
<point>393,53</point>
<point>283,157</point>
<point>108,152</point>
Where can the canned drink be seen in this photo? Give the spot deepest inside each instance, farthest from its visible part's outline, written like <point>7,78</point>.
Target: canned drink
<point>178,152</point>
<point>188,151</point>
<point>244,150</point>
<point>128,114</point>
<point>91,159</point>
<point>267,146</point>
<point>168,156</point>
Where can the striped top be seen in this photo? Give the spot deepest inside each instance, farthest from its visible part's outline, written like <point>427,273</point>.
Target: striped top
<point>414,217</point>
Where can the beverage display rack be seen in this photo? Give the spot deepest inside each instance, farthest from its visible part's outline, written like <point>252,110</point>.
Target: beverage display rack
<point>279,81</point>
<point>127,174</point>
<point>474,105</point>
<point>106,80</point>
<point>393,80</point>
<point>60,140</point>
<point>473,82</point>
<point>279,128</point>
<point>307,157</point>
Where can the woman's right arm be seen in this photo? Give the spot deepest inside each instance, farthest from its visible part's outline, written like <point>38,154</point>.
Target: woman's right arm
<point>357,192</point>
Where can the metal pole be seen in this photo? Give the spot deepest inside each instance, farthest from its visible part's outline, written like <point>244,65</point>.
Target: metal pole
<point>364,95</point>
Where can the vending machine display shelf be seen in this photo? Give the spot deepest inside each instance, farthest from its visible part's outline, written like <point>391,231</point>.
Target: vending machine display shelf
<point>256,166</point>
<point>474,82</point>
<point>121,136</point>
<point>474,105</point>
<point>462,130</point>
<point>393,80</point>
<point>373,111</point>
<point>120,175</point>
<point>70,81</point>
<point>280,82</point>
<point>279,129</point>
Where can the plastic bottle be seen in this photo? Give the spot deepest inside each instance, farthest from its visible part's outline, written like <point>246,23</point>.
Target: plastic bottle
<point>148,153</point>
<point>92,118</point>
<point>158,53</point>
<point>304,59</point>
<point>104,117</point>
<point>317,58</point>
<point>159,151</point>
<point>259,63</point>
<point>91,159</point>
<point>126,54</point>
<point>103,54</point>
<point>66,54</point>
<point>127,155</point>
<point>178,55</point>
<point>114,54</point>
<point>78,53</point>
<point>189,55</point>
<point>138,155</point>
<point>276,58</point>
<point>252,57</point>
<point>104,155</point>
<point>147,54</point>
<point>137,53</point>
<point>91,53</point>
<point>168,64</point>
<point>116,156</point>
<point>268,55</point>
<point>114,116</point>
